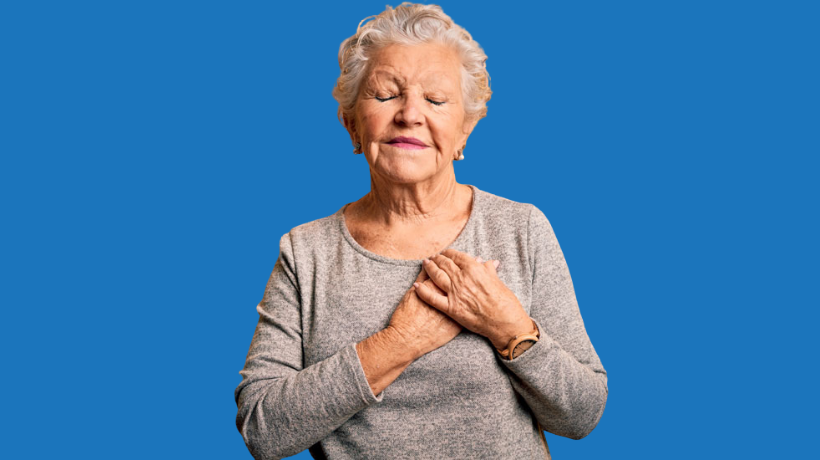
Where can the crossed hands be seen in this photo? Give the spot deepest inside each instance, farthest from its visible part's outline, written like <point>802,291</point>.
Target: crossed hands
<point>457,290</point>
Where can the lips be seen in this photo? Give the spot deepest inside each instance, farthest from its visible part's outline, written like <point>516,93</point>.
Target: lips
<point>407,141</point>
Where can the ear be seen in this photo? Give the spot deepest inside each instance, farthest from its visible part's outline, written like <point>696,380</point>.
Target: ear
<point>350,124</point>
<point>467,129</point>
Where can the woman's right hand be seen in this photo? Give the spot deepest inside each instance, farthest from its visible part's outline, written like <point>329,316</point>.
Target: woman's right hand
<point>415,329</point>
<point>421,326</point>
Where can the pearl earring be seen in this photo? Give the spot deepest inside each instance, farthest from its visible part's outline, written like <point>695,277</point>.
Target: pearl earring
<point>460,154</point>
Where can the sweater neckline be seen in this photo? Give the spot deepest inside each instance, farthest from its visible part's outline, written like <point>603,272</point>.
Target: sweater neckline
<point>340,219</point>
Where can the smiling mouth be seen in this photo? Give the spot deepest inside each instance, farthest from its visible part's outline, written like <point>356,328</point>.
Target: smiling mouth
<point>407,143</point>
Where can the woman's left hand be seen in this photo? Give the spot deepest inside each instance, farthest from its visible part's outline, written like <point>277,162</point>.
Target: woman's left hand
<point>475,296</point>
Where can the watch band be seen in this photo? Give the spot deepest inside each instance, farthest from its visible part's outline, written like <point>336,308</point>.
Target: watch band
<point>510,351</point>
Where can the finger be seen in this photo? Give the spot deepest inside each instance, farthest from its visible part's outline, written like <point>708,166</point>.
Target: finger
<point>429,283</point>
<point>492,266</point>
<point>434,299</point>
<point>461,259</point>
<point>439,276</point>
<point>448,265</point>
<point>422,276</point>
<point>479,260</point>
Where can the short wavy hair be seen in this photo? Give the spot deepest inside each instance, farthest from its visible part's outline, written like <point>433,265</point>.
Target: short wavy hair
<point>412,24</point>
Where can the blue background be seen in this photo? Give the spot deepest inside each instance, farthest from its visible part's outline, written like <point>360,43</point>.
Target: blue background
<point>153,153</point>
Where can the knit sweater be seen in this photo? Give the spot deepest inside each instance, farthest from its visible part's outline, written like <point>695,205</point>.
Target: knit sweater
<point>303,385</point>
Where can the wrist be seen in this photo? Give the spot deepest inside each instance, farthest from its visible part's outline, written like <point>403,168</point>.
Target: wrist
<point>520,327</point>
<point>394,339</point>
<point>383,359</point>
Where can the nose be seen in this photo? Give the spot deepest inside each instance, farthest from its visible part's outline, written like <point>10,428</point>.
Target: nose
<point>410,112</point>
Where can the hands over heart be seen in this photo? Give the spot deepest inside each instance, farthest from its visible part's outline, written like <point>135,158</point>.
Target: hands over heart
<point>474,296</point>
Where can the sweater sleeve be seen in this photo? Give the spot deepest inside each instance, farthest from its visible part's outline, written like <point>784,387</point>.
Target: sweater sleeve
<point>560,377</point>
<point>284,408</point>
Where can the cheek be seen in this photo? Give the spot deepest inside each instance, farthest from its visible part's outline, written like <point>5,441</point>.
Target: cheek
<point>373,123</point>
<point>446,134</point>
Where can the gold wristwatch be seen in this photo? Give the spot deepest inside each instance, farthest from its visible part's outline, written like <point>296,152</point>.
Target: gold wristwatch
<point>520,343</point>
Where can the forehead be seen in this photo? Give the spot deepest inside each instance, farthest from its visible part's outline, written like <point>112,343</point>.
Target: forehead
<point>426,64</point>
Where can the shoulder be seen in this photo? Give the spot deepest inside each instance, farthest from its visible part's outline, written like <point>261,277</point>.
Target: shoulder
<point>494,207</point>
<point>517,224</point>
<point>310,238</point>
<point>317,231</point>
<point>506,214</point>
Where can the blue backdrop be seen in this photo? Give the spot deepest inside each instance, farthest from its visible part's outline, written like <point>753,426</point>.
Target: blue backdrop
<point>150,151</point>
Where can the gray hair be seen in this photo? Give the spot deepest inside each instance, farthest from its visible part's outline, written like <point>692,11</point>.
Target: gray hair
<point>411,24</point>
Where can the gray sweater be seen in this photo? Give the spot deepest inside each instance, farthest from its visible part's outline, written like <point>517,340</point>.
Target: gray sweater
<point>303,385</point>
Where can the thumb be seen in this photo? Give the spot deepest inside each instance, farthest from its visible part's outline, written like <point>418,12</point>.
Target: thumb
<point>492,264</point>
<point>423,276</point>
<point>430,296</point>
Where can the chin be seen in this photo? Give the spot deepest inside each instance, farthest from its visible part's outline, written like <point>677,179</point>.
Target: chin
<point>406,171</point>
<point>407,175</point>
<point>406,178</point>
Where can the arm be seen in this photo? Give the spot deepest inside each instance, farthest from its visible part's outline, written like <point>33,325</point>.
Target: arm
<point>282,408</point>
<point>384,356</point>
<point>560,377</point>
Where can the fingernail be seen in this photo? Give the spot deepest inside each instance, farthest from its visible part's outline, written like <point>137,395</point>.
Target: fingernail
<point>416,285</point>
<point>496,263</point>
<point>425,261</point>
<point>479,260</point>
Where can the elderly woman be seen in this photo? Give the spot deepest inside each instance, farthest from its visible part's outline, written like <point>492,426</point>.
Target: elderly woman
<point>429,319</point>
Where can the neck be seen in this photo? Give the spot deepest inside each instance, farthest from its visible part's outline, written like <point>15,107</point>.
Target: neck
<point>411,203</point>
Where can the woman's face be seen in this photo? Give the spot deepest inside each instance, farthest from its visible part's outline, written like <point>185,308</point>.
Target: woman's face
<point>410,116</point>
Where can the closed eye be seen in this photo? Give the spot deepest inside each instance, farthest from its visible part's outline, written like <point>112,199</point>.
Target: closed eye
<point>385,99</point>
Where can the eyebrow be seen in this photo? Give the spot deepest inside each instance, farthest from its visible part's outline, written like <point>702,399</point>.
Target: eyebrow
<point>388,74</point>
<point>401,81</point>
